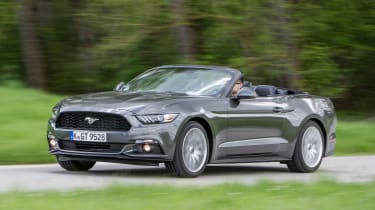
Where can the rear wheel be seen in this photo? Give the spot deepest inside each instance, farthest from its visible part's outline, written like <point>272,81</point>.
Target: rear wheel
<point>76,165</point>
<point>191,155</point>
<point>308,152</point>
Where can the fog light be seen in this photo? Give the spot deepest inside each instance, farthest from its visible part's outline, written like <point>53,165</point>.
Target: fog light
<point>146,147</point>
<point>53,142</point>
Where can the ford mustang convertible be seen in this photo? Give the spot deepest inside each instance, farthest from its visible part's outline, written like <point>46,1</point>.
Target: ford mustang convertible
<point>186,116</point>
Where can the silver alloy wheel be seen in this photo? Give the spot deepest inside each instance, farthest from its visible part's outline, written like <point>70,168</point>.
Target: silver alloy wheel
<point>194,150</point>
<point>312,146</point>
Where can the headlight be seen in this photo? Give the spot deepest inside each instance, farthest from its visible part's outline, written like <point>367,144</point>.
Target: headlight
<point>55,111</point>
<point>156,118</point>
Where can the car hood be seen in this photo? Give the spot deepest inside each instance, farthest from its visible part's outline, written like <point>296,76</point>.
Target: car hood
<point>119,102</point>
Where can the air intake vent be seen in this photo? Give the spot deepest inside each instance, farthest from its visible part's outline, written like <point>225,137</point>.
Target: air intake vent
<point>92,121</point>
<point>91,146</point>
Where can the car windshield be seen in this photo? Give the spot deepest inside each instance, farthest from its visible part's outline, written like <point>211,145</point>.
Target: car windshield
<point>180,80</point>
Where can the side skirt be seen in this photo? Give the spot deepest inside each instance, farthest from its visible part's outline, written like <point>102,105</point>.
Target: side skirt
<point>251,159</point>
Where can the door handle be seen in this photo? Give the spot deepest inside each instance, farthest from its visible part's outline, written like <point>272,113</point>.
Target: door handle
<point>277,109</point>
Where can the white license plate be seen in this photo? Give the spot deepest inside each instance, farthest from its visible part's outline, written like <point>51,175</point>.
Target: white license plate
<point>88,136</point>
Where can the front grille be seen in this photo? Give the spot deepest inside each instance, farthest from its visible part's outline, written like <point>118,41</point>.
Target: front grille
<point>91,146</point>
<point>105,122</point>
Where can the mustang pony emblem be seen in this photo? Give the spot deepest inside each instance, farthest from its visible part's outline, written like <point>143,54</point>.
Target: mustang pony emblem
<point>91,120</point>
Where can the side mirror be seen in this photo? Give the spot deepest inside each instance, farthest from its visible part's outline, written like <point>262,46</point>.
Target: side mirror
<point>120,86</point>
<point>245,93</point>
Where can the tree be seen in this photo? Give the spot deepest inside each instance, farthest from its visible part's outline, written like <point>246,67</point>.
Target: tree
<point>11,68</point>
<point>31,43</point>
<point>322,47</point>
<point>185,35</point>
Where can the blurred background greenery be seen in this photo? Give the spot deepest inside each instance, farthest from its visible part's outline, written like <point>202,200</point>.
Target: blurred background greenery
<point>75,46</point>
<point>52,48</point>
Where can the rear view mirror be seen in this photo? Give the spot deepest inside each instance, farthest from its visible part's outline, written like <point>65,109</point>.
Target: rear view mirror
<point>120,86</point>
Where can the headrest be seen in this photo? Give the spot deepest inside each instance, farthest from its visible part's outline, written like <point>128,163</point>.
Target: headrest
<point>265,90</point>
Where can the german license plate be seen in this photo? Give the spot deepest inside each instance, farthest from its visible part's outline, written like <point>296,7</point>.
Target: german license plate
<point>88,136</point>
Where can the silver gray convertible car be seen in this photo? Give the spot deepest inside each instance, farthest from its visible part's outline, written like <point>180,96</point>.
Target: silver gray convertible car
<point>186,117</point>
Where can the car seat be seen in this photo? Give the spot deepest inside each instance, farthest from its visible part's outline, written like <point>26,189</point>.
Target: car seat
<point>265,90</point>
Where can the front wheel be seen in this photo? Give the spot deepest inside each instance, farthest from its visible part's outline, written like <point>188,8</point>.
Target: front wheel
<point>191,154</point>
<point>308,152</point>
<point>76,165</point>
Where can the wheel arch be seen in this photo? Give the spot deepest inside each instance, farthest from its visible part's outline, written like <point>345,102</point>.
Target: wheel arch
<point>208,130</point>
<point>322,128</point>
<point>297,164</point>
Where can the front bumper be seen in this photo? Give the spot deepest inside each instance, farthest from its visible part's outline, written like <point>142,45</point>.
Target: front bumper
<point>121,146</point>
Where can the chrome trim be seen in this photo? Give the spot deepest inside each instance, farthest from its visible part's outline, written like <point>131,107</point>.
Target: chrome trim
<point>254,142</point>
<point>91,120</point>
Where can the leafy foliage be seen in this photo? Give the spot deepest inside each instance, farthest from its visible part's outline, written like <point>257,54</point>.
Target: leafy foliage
<point>10,49</point>
<point>323,47</point>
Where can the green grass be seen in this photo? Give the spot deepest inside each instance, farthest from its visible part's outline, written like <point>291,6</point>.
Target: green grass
<point>265,195</point>
<point>23,122</point>
<point>24,114</point>
<point>355,137</point>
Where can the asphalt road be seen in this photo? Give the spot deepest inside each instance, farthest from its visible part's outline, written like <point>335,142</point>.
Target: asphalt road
<point>52,177</point>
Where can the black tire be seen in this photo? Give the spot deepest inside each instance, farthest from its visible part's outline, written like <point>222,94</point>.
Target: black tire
<point>177,167</point>
<point>298,163</point>
<point>76,165</point>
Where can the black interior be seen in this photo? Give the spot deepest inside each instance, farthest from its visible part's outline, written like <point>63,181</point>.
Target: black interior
<point>270,90</point>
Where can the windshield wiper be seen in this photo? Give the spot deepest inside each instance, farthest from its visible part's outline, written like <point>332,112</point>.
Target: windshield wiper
<point>175,93</point>
<point>159,92</point>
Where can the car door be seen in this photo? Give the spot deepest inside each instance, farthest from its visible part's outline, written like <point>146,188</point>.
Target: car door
<point>255,127</point>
